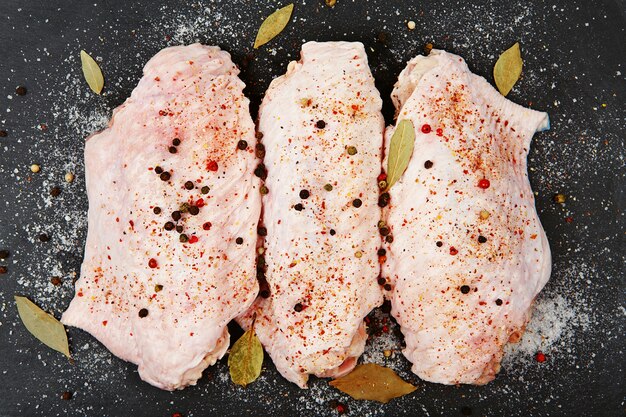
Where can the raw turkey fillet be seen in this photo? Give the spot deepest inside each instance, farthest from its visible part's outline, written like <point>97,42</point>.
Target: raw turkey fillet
<point>320,248</point>
<point>147,295</point>
<point>469,254</point>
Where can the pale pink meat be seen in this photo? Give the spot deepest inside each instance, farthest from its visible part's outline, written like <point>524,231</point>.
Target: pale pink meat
<point>463,284</point>
<point>320,248</point>
<point>189,290</point>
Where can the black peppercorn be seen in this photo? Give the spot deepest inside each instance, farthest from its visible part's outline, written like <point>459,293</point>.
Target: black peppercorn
<point>239,240</point>
<point>264,293</point>
<point>262,231</point>
<point>165,176</point>
<point>143,312</point>
<point>260,150</point>
<point>189,185</point>
<point>169,226</point>
<point>298,307</point>
<point>357,203</point>
<point>176,142</point>
<point>157,210</point>
<point>428,164</point>
<point>258,135</point>
<point>55,191</point>
<point>44,237</point>
<point>158,170</point>
<point>176,215</point>
<point>332,232</point>
<point>193,210</point>
<point>382,252</point>
<point>298,207</point>
<point>439,244</point>
<point>465,289</point>
<point>498,302</point>
<point>20,91</point>
<point>382,281</point>
<point>261,172</point>
<point>173,149</point>
<point>205,190</point>
<point>320,124</point>
<point>482,239</point>
<point>179,229</point>
<point>384,231</point>
<point>242,145</point>
<point>389,239</point>
<point>387,287</point>
<point>304,194</point>
<point>383,199</point>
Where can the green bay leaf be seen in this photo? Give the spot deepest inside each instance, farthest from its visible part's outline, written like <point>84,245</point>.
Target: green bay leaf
<point>43,325</point>
<point>373,382</point>
<point>245,359</point>
<point>400,151</point>
<point>91,71</point>
<point>508,69</point>
<point>273,25</point>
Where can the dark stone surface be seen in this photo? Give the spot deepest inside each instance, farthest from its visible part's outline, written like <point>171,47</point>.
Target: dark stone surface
<point>573,69</point>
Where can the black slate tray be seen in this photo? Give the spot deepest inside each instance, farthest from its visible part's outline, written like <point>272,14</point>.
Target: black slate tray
<point>573,69</point>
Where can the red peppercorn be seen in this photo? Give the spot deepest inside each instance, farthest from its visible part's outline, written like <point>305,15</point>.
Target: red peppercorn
<point>193,239</point>
<point>207,226</point>
<point>382,176</point>
<point>152,263</point>
<point>453,250</point>
<point>540,357</point>
<point>484,184</point>
<point>200,203</point>
<point>439,132</point>
<point>426,128</point>
<point>341,408</point>
<point>211,166</point>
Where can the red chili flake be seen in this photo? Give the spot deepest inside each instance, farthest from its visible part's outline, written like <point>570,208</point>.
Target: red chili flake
<point>426,128</point>
<point>162,113</point>
<point>453,250</point>
<point>439,132</point>
<point>569,219</point>
<point>132,224</point>
<point>484,184</point>
<point>382,176</point>
<point>152,263</point>
<point>540,357</point>
<point>193,239</point>
<point>207,226</point>
<point>80,293</point>
<point>211,166</point>
<point>341,409</point>
<point>200,203</point>
<point>177,415</point>
<point>104,323</point>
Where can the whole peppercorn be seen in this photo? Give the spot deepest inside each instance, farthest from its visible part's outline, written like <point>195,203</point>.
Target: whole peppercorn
<point>194,210</point>
<point>176,142</point>
<point>484,184</point>
<point>156,210</point>
<point>482,239</point>
<point>389,239</point>
<point>66,396</point>
<point>20,91</point>
<point>320,124</point>
<point>259,150</point>
<point>169,226</point>
<point>387,287</point>
<point>183,238</point>
<point>152,263</point>
<point>179,229</point>
<point>258,135</point>
<point>55,191</point>
<point>357,202</point>
<point>260,171</point>
<point>173,149</point>
<point>143,312</point>
<point>428,164</point>
<point>262,231</point>
<point>264,190</point>
<point>304,194</point>
<point>176,215</point>
<point>242,145</point>
<point>498,302</point>
<point>55,281</point>
<point>465,289</point>
<point>298,307</point>
<point>332,232</point>
<point>44,237</point>
<point>239,240</point>
<point>384,199</point>
<point>439,243</point>
<point>165,176</point>
<point>158,170</point>
<point>382,184</point>
<point>298,207</point>
<point>189,185</point>
<point>351,150</point>
<point>382,281</point>
<point>205,190</point>
<point>384,231</point>
<point>381,252</point>
<point>328,187</point>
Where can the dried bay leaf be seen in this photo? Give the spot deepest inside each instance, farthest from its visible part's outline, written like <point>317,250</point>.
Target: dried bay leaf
<point>245,359</point>
<point>373,382</point>
<point>91,71</point>
<point>400,151</point>
<point>42,325</point>
<point>508,69</point>
<point>273,25</point>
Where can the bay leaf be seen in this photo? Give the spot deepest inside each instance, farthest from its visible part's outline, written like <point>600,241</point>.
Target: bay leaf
<point>273,25</point>
<point>245,358</point>
<point>91,71</point>
<point>400,151</point>
<point>508,69</point>
<point>43,325</point>
<point>373,382</point>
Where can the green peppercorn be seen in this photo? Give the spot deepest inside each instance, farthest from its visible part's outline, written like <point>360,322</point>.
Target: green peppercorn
<point>351,150</point>
<point>328,187</point>
<point>264,190</point>
<point>183,238</point>
<point>189,185</point>
<point>205,190</point>
<point>382,184</point>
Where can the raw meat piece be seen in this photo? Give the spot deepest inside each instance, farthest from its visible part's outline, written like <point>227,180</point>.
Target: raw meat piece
<point>464,282</point>
<point>322,127</point>
<point>147,296</point>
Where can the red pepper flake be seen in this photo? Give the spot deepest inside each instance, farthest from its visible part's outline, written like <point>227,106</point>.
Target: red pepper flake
<point>152,263</point>
<point>382,177</point>
<point>162,113</point>
<point>200,203</point>
<point>132,224</point>
<point>439,132</point>
<point>211,166</point>
<point>193,239</point>
<point>104,323</point>
<point>569,219</point>
<point>453,250</point>
<point>484,184</point>
<point>540,357</point>
<point>426,128</point>
<point>341,408</point>
<point>207,226</point>
<point>80,293</point>
<point>177,415</point>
